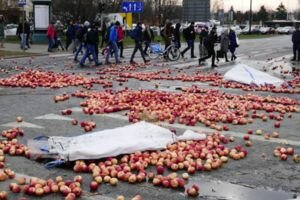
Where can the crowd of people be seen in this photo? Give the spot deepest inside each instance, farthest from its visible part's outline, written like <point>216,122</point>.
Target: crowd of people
<point>84,39</point>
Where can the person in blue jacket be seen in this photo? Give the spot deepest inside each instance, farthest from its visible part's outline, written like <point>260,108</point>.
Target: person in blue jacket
<point>112,42</point>
<point>296,44</point>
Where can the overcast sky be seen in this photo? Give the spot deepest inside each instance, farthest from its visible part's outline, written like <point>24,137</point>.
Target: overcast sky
<point>271,4</point>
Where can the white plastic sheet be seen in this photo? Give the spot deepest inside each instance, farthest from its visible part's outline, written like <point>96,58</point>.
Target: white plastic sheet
<point>244,74</point>
<point>141,136</point>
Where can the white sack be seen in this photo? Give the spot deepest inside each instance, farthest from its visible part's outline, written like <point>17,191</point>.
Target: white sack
<point>244,74</point>
<point>140,136</point>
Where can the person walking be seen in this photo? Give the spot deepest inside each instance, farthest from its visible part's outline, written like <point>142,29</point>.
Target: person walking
<point>224,45</point>
<point>296,44</point>
<point>2,33</point>
<point>137,35</point>
<point>202,36</point>
<point>81,37</point>
<point>27,31</point>
<point>92,39</point>
<point>22,35</point>
<point>209,44</point>
<point>51,37</point>
<point>233,44</point>
<point>148,38</point>
<point>177,36</point>
<point>59,28</point>
<point>112,42</point>
<point>103,35</point>
<point>70,35</point>
<point>190,36</point>
<point>121,34</point>
<point>168,34</point>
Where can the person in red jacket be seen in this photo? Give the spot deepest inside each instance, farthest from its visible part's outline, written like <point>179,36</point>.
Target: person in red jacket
<point>51,37</point>
<point>120,44</point>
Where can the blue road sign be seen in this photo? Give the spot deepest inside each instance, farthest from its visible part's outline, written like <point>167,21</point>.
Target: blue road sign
<point>22,2</point>
<point>132,7</point>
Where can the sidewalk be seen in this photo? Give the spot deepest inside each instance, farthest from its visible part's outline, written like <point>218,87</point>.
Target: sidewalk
<point>35,48</point>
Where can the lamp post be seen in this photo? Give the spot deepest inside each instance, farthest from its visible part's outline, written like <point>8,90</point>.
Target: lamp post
<point>250,17</point>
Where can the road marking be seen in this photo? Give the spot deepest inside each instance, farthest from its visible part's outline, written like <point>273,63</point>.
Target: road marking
<point>60,55</point>
<point>22,125</point>
<point>76,109</point>
<point>53,117</point>
<point>208,130</point>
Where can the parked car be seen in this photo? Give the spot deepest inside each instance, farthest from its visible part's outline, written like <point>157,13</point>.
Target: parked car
<point>285,30</point>
<point>265,30</point>
<point>11,29</point>
<point>254,29</point>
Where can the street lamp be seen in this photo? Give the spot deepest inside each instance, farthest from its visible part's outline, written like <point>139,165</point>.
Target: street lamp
<point>250,16</point>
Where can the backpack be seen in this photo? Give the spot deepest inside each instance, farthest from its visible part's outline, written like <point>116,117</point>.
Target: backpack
<point>185,33</point>
<point>133,34</point>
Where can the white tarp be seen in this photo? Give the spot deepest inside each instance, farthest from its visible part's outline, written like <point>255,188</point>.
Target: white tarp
<point>141,136</point>
<point>244,74</point>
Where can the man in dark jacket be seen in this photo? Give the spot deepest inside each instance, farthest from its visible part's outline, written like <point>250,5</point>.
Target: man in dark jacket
<point>138,43</point>
<point>209,44</point>
<point>148,38</point>
<point>92,39</point>
<point>81,36</point>
<point>177,35</point>
<point>190,36</point>
<point>70,34</point>
<point>296,44</point>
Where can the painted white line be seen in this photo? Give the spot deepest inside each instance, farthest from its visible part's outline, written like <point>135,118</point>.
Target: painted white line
<point>208,130</point>
<point>22,125</point>
<point>60,55</point>
<point>53,117</point>
<point>76,109</point>
<point>96,197</point>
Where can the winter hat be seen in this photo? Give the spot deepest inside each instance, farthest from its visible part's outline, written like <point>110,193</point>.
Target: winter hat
<point>86,23</point>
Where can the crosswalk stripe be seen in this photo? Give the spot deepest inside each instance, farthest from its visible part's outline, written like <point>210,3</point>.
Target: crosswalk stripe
<point>22,124</point>
<point>54,117</point>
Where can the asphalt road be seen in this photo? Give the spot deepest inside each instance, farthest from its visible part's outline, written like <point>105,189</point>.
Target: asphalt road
<point>255,178</point>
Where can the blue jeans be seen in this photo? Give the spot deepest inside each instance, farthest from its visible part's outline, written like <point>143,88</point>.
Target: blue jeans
<point>59,43</point>
<point>113,47</point>
<point>190,44</point>
<point>89,49</point>
<point>78,51</point>
<point>51,43</point>
<point>23,40</point>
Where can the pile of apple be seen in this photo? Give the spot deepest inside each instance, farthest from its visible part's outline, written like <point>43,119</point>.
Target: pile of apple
<point>71,189</point>
<point>209,108</point>
<point>88,126</point>
<point>35,78</point>
<point>12,133</point>
<point>165,75</point>
<point>189,157</point>
<point>283,153</point>
<point>59,98</point>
